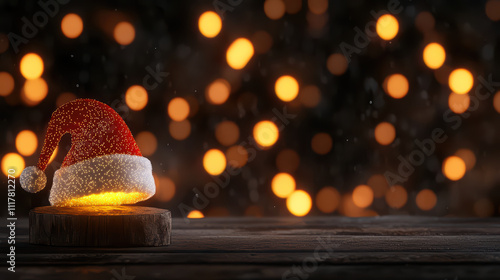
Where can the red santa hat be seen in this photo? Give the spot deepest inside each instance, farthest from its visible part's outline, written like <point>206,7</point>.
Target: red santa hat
<point>104,165</point>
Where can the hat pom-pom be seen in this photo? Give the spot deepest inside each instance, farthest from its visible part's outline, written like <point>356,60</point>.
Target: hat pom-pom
<point>33,179</point>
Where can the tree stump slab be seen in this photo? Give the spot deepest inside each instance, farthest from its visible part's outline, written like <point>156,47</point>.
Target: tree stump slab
<point>100,226</point>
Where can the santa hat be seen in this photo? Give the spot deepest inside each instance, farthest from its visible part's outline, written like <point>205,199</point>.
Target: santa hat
<point>104,165</point>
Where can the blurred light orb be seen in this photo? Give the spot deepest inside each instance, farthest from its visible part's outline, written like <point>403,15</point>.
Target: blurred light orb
<point>310,96</point>
<point>165,188</point>
<point>124,33</point>
<point>218,92</point>
<point>337,64</point>
<point>179,130</point>
<point>327,199</point>
<point>379,185</point>
<point>396,197</point>
<point>239,53</point>
<point>425,22</point>
<point>136,97</point>
<point>293,6</point>
<point>72,26</point>
<point>468,157</point>
<point>397,86</point>
<point>35,90</point>
<point>178,109</point>
<point>237,156</point>
<point>64,98</point>
<point>454,168</point>
<point>274,9</point>
<point>147,142</point>
<point>31,66</point>
<point>458,103</point>
<point>299,203</point>
<point>262,41</point>
<point>210,24</point>
<point>492,9</point>
<point>434,55</point>
<point>317,7</point>
<point>387,27</point>
<point>321,143</point>
<point>286,88</point>
<point>6,84</point>
<point>283,184</point>
<point>287,161</point>
<point>214,162</point>
<point>227,133</point>
<point>12,161</point>
<point>195,214</point>
<point>496,101</point>
<point>460,81</point>
<point>265,133</point>
<point>385,133</point>
<point>26,142</point>
<point>426,199</point>
<point>362,196</point>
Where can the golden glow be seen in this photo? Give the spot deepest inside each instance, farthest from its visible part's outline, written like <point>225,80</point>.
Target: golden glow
<point>434,55</point>
<point>179,130</point>
<point>385,133</point>
<point>287,161</point>
<point>454,168</point>
<point>195,214</point>
<point>31,66</point>
<point>124,33</point>
<point>460,81</point>
<point>317,7</point>
<point>165,189</point>
<point>328,199</point>
<point>35,90</point>
<point>387,27</point>
<point>53,156</point>
<point>147,143</point>
<point>136,97</point>
<point>286,88</point>
<point>337,64</point>
<point>362,196</point>
<point>299,203</point>
<point>227,133</point>
<point>265,133</point>
<point>178,109</point>
<point>12,161</point>
<point>107,198</point>
<point>26,142</point>
<point>274,9</point>
<point>214,162</point>
<point>6,83</point>
<point>458,103</point>
<point>310,96</point>
<point>397,86</point>
<point>237,156</point>
<point>209,24</point>
<point>426,199</point>
<point>396,197</point>
<point>218,92</point>
<point>321,143</point>
<point>72,25</point>
<point>468,157</point>
<point>379,185</point>
<point>239,53</point>
<point>283,184</point>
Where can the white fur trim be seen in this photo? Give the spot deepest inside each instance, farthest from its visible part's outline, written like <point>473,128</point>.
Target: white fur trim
<point>33,179</point>
<point>110,173</point>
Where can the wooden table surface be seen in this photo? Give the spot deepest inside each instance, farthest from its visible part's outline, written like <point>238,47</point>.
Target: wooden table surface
<point>390,247</point>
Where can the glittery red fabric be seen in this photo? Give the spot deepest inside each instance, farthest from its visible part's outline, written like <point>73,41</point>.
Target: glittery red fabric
<point>95,128</point>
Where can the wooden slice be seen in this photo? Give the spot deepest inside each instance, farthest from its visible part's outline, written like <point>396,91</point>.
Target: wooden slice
<point>100,226</point>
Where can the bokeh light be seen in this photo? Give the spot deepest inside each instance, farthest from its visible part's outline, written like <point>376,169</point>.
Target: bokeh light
<point>214,162</point>
<point>262,41</point>
<point>227,133</point>
<point>362,196</point>
<point>178,109</point>
<point>274,9</point>
<point>72,26</point>
<point>385,133</point>
<point>317,7</point>
<point>321,143</point>
<point>396,197</point>
<point>239,53</point>
<point>124,33</point>
<point>379,185</point>
<point>6,84</point>
<point>165,189</point>
<point>328,199</point>
<point>265,133</point>
<point>35,90</point>
<point>397,86</point>
<point>218,92</point>
<point>147,142</point>
<point>283,184</point>
<point>468,157</point>
<point>299,203</point>
<point>64,98</point>
<point>237,156</point>
<point>31,66</point>
<point>210,24</point>
<point>179,130</point>
<point>496,102</point>
<point>310,96</point>
<point>12,161</point>
<point>337,64</point>
<point>286,88</point>
<point>460,81</point>
<point>136,97</point>
<point>426,199</point>
<point>434,55</point>
<point>195,214</point>
<point>454,168</point>
<point>492,9</point>
<point>287,161</point>
<point>387,27</point>
<point>458,103</point>
<point>26,142</point>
